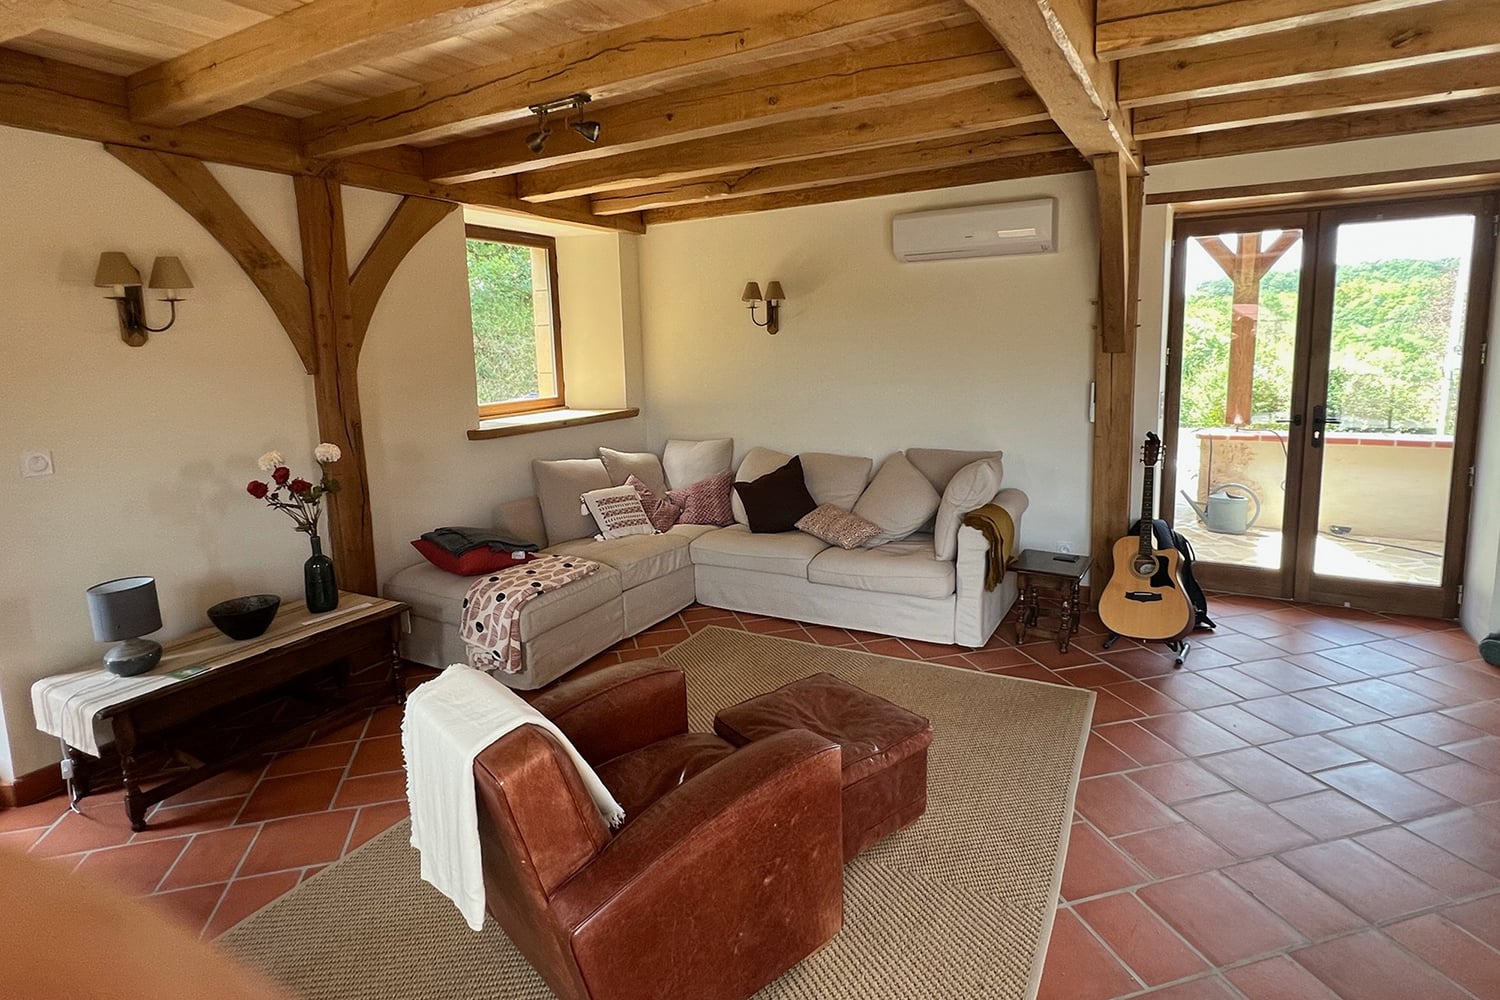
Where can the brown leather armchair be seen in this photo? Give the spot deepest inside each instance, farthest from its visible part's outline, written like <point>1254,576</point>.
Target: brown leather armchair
<point>727,871</point>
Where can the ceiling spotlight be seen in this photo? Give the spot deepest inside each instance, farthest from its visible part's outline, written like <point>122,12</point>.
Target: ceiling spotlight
<point>589,130</point>
<point>537,140</point>
<point>568,107</point>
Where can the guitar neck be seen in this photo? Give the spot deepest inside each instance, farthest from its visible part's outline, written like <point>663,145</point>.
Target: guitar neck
<point>1148,514</point>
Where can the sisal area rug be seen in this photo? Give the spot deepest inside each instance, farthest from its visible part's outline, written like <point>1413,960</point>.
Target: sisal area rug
<point>959,905</point>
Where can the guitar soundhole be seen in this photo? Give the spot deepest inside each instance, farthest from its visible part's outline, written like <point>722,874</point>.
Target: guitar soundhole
<point>1144,566</point>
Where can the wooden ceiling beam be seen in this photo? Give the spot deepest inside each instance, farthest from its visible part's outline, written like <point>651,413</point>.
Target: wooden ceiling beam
<point>1137,27</point>
<point>1452,80</point>
<point>1320,131</point>
<point>1052,41</point>
<point>864,165</point>
<point>992,106</point>
<point>1408,37</point>
<point>897,72</point>
<point>22,17</point>
<point>301,45</point>
<point>1010,168</point>
<point>606,64</point>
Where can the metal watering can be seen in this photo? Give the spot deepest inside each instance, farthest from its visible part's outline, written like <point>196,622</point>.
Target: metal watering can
<point>1227,513</point>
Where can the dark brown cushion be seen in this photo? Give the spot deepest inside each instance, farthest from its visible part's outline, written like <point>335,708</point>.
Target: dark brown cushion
<point>778,500</point>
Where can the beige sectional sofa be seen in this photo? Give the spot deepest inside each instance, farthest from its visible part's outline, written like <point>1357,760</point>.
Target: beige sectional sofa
<point>927,585</point>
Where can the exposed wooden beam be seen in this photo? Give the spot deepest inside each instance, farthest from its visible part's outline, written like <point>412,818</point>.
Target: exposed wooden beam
<point>647,53</point>
<point>1318,131</point>
<point>897,72</point>
<point>302,44</point>
<point>412,219</point>
<point>1136,27</point>
<point>1401,38</point>
<point>22,17</point>
<point>1052,41</point>
<point>1110,181</point>
<point>1036,165</point>
<point>992,106</point>
<point>864,165</point>
<point>1457,79</point>
<point>1484,174</point>
<point>190,184</point>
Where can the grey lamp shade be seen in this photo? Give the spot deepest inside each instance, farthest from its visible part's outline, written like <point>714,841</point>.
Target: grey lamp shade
<point>115,269</point>
<point>124,608</point>
<point>168,272</point>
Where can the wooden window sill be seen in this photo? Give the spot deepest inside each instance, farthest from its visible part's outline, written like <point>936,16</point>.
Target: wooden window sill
<point>545,420</point>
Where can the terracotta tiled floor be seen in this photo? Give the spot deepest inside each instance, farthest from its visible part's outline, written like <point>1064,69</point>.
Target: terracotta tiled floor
<point>1310,809</point>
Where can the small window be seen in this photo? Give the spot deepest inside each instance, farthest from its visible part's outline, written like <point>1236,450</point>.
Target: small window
<point>517,331</point>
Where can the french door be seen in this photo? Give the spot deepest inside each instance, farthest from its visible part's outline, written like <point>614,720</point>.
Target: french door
<point>1323,380</point>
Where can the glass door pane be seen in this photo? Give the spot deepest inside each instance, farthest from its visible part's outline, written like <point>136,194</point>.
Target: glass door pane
<point>1241,293</point>
<point>1394,364</point>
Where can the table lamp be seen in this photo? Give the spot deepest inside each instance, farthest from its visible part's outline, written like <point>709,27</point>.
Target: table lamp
<point>122,611</point>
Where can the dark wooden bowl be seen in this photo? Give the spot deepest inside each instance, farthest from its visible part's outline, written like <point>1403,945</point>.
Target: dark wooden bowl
<point>245,617</point>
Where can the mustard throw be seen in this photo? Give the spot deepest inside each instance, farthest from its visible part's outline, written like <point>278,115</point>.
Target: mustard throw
<point>1000,531</point>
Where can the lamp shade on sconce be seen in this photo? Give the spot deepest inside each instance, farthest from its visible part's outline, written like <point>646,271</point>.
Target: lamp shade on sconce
<point>752,292</point>
<point>774,292</point>
<point>169,273</point>
<point>115,271</point>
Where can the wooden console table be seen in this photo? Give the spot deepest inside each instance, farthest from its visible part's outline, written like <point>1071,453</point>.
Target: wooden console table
<point>208,686</point>
<point>1058,572</point>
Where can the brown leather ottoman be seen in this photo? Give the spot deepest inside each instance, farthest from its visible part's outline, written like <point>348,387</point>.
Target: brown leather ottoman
<point>884,749</point>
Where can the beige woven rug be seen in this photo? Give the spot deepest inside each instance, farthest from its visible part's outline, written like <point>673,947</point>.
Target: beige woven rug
<point>959,905</point>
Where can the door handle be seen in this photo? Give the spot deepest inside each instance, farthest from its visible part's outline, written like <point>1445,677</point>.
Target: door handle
<point>1319,421</point>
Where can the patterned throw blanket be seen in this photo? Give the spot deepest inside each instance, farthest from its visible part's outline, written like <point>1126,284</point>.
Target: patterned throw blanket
<point>491,623</point>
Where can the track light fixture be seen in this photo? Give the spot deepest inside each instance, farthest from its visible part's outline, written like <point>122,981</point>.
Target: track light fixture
<point>567,107</point>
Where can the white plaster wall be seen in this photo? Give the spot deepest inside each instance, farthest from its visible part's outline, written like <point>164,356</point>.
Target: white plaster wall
<point>874,355</point>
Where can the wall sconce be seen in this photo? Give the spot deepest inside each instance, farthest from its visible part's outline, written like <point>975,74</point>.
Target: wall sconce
<point>773,298</point>
<point>117,272</point>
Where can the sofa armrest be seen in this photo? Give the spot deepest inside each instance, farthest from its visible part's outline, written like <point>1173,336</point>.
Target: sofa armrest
<point>618,709</point>
<point>522,520</point>
<point>742,867</point>
<point>977,611</point>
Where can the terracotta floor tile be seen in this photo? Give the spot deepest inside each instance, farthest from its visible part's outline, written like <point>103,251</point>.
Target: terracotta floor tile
<point>1336,672</point>
<point>1388,698</point>
<point>1462,782</point>
<point>1139,744</point>
<point>387,787</point>
<point>1367,660</point>
<point>1329,815</point>
<point>102,824</point>
<point>1209,987</point>
<point>1261,775</point>
<point>886,646</point>
<point>1244,826</point>
<point>1282,674</point>
<point>195,817</point>
<point>1094,675</point>
<point>246,895</point>
<point>1465,833</point>
<point>1247,727</point>
<point>1301,642</point>
<point>380,753</point>
<point>190,907</point>
<point>1291,897</point>
<point>1450,875</point>
<point>1243,648</point>
<point>1102,757</point>
<point>1145,697</point>
<point>1048,655</point>
<point>1174,850</point>
<point>135,868</point>
<point>1455,645</point>
<point>1296,717</point>
<point>1095,866</point>
<point>1484,715</point>
<point>1435,729</point>
<point>1312,753</point>
<point>318,757</point>
<point>1480,682</point>
<point>1368,966</point>
<point>1192,691</point>
<point>210,858</point>
<point>994,659</point>
<point>825,635</point>
<point>1108,708</point>
<point>1191,734</point>
<point>375,820</point>
<point>1140,938</point>
<point>225,785</point>
<point>21,840</point>
<point>34,816</point>
<point>1484,751</point>
<point>1385,791</point>
<point>1386,746</point>
<point>1237,681</point>
<point>1452,951</point>
<point>295,794</point>
<point>1139,663</point>
<point>298,842</point>
<point>1480,918</point>
<point>1078,967</point>
<point>1219,918</point>
<point>1117,806</point>
<point>1362,880</point>
<point>1278,978</point>
<point>1178,781</point>
<point>1263,626</point>
<point>1353,712</point>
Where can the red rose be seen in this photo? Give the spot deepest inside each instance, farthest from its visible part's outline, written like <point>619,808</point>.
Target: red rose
<point>298,486</point>
<point>257,489</point>
<point>281,475</point>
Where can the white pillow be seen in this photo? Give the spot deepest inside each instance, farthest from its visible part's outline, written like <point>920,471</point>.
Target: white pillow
<point>972,486</point>
<point>756,463</point>
<point>559,484</point>
<point>689,462</point>
<point>899,499</point>
<point>835,479</point>
<point>618,511</point>
<point>643,465</point>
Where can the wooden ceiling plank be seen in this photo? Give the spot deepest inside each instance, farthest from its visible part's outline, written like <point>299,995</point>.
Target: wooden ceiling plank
<point>1052,41</point>
<point>298,46</point>
<point>864,165</point>
<point>992,106</point>
<point>897,72</point>
<point>1036,165</point>
<point>22,17</point>
<point>1457,79</point>
<point>1408,37</point>
<point>1138,27</point>
<point>604,64</point>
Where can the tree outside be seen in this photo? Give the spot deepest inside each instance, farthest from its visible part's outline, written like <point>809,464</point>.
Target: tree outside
<point>504,319</point>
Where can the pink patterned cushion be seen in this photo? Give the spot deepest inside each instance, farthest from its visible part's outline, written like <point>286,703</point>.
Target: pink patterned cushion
<point>706,501</point>
<point>837,526</point>
<point>661,512</point>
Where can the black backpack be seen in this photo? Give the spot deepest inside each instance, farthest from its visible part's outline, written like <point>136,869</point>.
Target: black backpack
<point>1166,538</point>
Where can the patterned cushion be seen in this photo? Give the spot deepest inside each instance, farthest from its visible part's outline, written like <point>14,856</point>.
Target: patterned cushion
<point>706,501</point>
<point>837,526</point>
<point>661,512</point>
<point>618,512</point>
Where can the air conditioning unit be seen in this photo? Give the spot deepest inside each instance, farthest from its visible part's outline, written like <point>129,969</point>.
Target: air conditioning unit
<point>1015,227</point>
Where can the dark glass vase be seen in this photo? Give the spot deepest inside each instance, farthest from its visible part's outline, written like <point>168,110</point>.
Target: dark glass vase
<point>318,580</point>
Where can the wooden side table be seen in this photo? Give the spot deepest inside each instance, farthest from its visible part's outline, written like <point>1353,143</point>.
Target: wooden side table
<point>209,689</point>
<point>1057,574</point>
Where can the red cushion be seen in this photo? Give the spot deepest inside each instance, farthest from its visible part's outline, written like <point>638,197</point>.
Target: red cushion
<point>474,562</point>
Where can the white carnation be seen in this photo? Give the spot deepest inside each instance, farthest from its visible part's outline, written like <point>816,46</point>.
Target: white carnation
<point>326,453</point>
<point>270,460</point>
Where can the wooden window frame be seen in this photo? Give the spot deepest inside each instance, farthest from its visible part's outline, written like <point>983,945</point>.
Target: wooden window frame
<point>557,401</point>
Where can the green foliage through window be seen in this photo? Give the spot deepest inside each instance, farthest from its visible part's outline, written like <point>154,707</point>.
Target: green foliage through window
<point>504,318</point>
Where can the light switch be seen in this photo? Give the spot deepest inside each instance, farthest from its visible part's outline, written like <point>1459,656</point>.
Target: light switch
<point>36,463</point>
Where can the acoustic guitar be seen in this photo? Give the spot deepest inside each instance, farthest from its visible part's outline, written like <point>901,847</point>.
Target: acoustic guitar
<point>1144,598</point>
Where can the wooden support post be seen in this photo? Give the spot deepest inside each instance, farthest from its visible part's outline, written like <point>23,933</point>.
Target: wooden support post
<point>1245,267</point>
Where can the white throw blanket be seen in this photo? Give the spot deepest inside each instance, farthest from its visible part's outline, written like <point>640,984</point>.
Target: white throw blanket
<point>491,623</point>
<point>448,721</point>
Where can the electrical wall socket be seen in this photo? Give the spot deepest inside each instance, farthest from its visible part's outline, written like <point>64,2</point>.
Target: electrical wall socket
<point>1066,548</point>
<point>36,463</point>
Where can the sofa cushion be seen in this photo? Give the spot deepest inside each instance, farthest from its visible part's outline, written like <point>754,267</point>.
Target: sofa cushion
<point>474,562</point>
<point>618,512</point>
<point>734,547</point>
<point>638,558</point>
<point>907,566</point>
<point>972,486</point>
<point>706,501</point>
<point>940,464</point>
<point>689,462</point>
<point>837,526</point>
<point>756,463</point>
<point>643,465</point>
<point>559,484</point>
<point>439,596</point>
<point>691,531</point>
<point>835,479</point>
<point>899,499</point>
<point>778,500</point>
<point>661,512</point>
<point>639,778</point>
